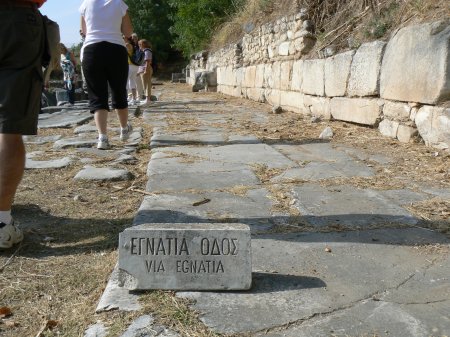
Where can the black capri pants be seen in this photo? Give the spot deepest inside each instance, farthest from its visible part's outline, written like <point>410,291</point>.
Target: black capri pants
<point>104,64</point>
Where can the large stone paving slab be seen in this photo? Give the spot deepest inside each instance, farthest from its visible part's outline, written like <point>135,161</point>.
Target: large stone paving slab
<point>297,278</point>
<point>323,152</point>
<point>349,206</point>
<point>326,170</point>
<point>375,318</point>
<point>205,136</point>
<point>64,119</point>
<point>207,180</point>
<point>253,209</point>
<point>249,154</point>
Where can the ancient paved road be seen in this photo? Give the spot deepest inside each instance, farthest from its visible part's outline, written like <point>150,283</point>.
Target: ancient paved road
<point>329,259</point>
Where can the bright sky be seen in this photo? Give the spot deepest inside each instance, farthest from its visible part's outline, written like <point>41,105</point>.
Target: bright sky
<point>65,13</point>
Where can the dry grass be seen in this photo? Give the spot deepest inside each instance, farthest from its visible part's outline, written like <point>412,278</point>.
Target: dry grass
<point>70,248</point>
<point>336,21</point>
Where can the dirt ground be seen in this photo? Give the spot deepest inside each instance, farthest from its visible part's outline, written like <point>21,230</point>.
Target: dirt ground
<point>51,283</point>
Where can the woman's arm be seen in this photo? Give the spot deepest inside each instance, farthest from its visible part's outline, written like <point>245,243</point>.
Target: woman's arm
<point>73,59</point>
<point>127,27</point>
<point>83,26</point>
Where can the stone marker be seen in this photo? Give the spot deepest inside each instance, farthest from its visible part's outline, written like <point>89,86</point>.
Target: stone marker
<point>195,256</point>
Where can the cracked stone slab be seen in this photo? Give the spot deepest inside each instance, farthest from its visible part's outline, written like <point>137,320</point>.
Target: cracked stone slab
<point>40,140</point>
<point>65,119</point>
<point>31,164</point>
<point>348,206</point>
<point>249,154</point>
<point>115,297</point>
<point>296,277</point>
<point>77,142</point>
<point>85,129</point>
<point>323,152</point>
<point>375,318</point>
<point>362,155</point>
<point>103,174</point>
<point>253,208</point>
<point>207,180</point>
<point>160,163</point>
<point>202,136</point>
<point>326,170</point>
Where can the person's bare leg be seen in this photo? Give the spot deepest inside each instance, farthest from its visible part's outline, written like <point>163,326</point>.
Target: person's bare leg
<point>101,121</point>
<point>12,165</point>
<point>123,117</point>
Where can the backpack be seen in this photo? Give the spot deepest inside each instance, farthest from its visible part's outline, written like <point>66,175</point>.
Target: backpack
<point>137,58</point>
<point>154,62</point>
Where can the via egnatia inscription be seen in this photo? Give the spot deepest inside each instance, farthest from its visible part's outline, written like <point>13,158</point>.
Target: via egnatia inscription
<point>185,257</point>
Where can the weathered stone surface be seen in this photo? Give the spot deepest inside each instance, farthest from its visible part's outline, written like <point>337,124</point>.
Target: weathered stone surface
<point>397,111</point>
<point>48,164</point>
<point>76,142</point>
<point>389,128</point>
<point>406,134</point>
<point>365,69</point>
<point>117,298</point>
<point>433,124</point>
<point>251,207</point>
<point>96,330</point>
<point>409,56</point>
<point>65,119</point>
<point>255,94</point>
<point>297,75</point>
<point>39,140</point>
<point>285,75</point>
<point>337,72</point>
<point>190,257</point>
<point>292,101</point>
<point>324,206</point>
<point>103,174</point>
<point>283,49</point>
<point>317,106</point>
<point>304,284</point>
<point>356,110</point>
<point>249,77</point>
<point>314,77</point>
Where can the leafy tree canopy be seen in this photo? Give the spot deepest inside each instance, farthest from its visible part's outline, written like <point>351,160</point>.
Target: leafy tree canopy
<point>194,21</point>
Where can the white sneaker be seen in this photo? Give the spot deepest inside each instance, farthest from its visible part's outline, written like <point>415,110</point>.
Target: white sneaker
<point>145,102</point>
<point>9,235</point>
<point>125,132</point>
<point>103,144</point>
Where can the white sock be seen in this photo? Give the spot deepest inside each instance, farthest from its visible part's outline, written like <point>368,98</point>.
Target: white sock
<point>102,136</point>
<point>5,217</point>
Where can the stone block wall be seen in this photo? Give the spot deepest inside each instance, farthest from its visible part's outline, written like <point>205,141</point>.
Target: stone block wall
<point>402,86</point>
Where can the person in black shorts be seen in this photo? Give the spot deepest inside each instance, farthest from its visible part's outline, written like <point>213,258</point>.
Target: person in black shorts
<point>21,83</point>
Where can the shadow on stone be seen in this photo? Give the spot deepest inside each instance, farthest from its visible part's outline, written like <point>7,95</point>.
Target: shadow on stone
<point>270,283</point>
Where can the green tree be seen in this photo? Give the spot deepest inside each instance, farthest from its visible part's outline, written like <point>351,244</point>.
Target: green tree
<point>151,21</point>
<point>194,21</point>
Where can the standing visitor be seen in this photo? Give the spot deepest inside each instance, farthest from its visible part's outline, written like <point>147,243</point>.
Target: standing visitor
<point>132,74</point>
<point>146,70</point>
<point>20,73</point>
<point>105,62</point>
<point>68,66</point>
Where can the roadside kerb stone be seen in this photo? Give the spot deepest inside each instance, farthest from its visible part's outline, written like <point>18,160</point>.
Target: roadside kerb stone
<point>195,256</point>
<point>299,280</point>
<point>103,174</point>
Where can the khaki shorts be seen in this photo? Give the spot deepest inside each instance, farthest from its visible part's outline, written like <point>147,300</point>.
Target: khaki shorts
<point>21,81</point>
